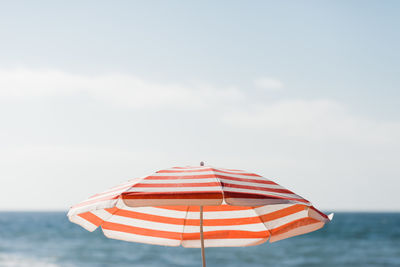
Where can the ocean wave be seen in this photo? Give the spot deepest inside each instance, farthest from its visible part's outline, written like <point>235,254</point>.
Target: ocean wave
<point>16,260</point>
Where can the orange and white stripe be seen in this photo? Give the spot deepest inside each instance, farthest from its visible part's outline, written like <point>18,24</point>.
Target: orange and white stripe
<point>239,209</point>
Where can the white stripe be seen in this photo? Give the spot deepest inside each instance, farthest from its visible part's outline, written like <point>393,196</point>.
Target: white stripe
<point>297,231</point>
<point>209,180</point>
<point>249,178</point>
<point>183,174</point>
<point>102,214</point>
<point>141,238</point>
<point>94,206</point>
<point>180,181</point>
<point>192,214</point>
<point>270,186</point>
<point>230,170</point>
<point>178,228</point>
<point>93,201</point>
<point>82,222</point>
<point>263,210</point>
<point>232,214</point>
<point>191,168</point>
<point>254,227</point>
<point>261,192</point>
<point>156,211</point>
<point>228,242</point>
<point>287,219</point>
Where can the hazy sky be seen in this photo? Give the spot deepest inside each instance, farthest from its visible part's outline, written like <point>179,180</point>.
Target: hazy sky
<point>306,93</point>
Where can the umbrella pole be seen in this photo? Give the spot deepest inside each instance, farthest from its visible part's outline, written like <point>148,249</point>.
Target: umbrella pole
<point>203,255</point>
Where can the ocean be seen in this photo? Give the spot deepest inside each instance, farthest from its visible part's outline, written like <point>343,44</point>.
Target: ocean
<point>48,239</point>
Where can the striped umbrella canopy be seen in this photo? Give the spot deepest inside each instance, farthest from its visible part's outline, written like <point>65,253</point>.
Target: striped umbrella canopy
<point>199,207</point>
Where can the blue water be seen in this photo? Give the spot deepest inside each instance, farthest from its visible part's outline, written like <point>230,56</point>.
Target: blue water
<point>50,240</point>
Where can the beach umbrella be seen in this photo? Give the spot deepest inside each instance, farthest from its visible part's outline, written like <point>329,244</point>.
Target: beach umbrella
<point>199,207</point>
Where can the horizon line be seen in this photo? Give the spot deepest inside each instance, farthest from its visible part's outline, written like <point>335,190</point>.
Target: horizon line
<point>324,210</point>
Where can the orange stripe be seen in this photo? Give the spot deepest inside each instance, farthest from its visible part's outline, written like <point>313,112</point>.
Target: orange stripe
<point>239,172</point>
<point>227,234</point>
<point>282,213</point>
<point>140,231</point>
<point>149,217</point>
<point>111,210</point>
<point>181,221</point>
<point>209,222</point>
<point>244,220</point>
<point>228,194</point>
<point>220,208</point>
<point>223,222</point>
<point>90,217</point>
<point>255,187</point>
<point>266,181</point>
<point>293,225</point>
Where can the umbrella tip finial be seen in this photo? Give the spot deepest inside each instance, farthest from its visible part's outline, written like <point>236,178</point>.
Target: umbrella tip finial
<point>202,163</point>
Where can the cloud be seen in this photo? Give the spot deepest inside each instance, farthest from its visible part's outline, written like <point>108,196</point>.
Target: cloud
<point>314,119</point>
<point>319,147</point>
<point>113,88</point>
<point>323,150</point>
<point>318,119</point>
<point>269,84</point>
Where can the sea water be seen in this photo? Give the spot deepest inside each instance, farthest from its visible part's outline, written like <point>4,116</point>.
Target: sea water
<point>48,239</point>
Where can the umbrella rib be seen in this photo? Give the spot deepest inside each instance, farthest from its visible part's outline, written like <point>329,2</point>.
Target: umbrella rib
<point>184,223</point>
<point>261,221</point>
<point>203,255</point>
<point>221,186</point>
<point>111,214</point>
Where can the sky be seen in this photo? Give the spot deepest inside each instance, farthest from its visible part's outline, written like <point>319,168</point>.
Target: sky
<point>306,93</point>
